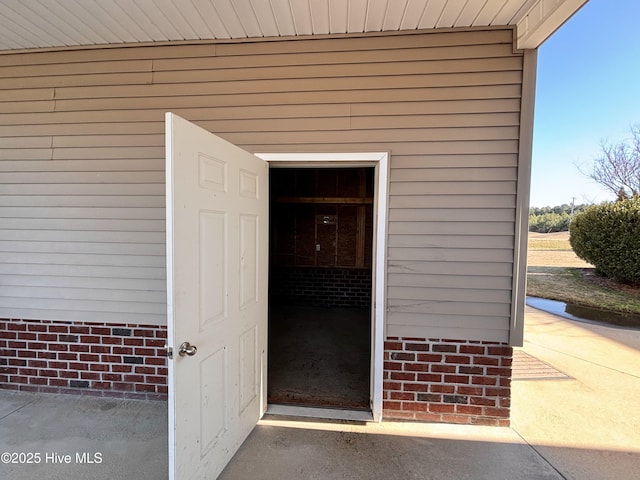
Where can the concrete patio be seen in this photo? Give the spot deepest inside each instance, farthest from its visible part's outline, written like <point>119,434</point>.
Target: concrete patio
<point>575,415</point>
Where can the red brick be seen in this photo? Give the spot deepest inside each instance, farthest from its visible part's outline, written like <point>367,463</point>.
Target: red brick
<point>145,352</point>
<point>19,362</point>
<point>469,409</point>
<point>440,407</point>
<point>387,405</point>
<point>67,356</point>
<point>59,365</point>
<point>90,339</point>
<point>19,379</point>
<point>17,344</point>
<point>471,370</point>
<point>444,348</point>
<point>47,355</point>
<point>98,367</point>
<point>17,327</point>
<point>414,406</point>
<point>48,373</point>
<point>38,363</point>
<point>403,376</point>
<point>26,354</point>
<point>79,329</point>
<point>442,388</point>
<point>101,385</point>
<point>157,379</point>
<point>475,391</point>
<point>143,332</point>
<point>163,371</point>
<point>456,379</point>
<point>9,335</point>
<point>497,392</point>
<point>429,377</point>
<point>458,359</point>
<point>428,417</point>
<point>58,329</point>
<point>123,386</point>
<point>443,369</point>
<point>145,370</point>
<point>497,412</point>
<point>392,386</point>
<point>39,380</point>
<point>47,337</point>
<point>121,368</point>
<point>155,361</point>
<point>417,347</point>
<point>78,348</point>
<point>162,389</point>
<point>389,345</point>
<point>416,367</point>
<point>100,349</point>
<point>476,380</point>
<point>100,331</point>
<point>112,377</point>
<point>489,402</point>
<point>90,375</point>
<point>134,342</point>
<point>112,340</point>
<point>26,336</point>
<point>69,374</point>
<point>504,372</point>
<point>78,366</point>
<point>493,361</point>
<point>472,349</point>
<point>111,358</point>
<point>157,343</point>
<point>392,366</point>
<point>35,327</point>
<point>143,387</point>
<point>122,351</point>
<point>500,351</point>
<point>415,387</point>
<point>429,357</point>
<point>402,396</point>
<point>89,357</point>
<point>32,372</point>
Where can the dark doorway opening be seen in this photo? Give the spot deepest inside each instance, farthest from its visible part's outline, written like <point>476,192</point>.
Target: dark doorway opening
<point>320,287</point>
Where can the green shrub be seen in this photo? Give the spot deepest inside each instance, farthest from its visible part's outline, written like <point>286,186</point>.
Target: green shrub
<point>608,237</point>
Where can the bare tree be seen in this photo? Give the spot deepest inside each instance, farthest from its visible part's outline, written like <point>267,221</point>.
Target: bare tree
<point>618,168</point>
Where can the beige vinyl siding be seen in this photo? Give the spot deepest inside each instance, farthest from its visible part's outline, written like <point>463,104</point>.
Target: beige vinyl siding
<point>82,169</point>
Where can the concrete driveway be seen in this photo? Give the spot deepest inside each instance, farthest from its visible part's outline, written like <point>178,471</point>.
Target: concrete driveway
<point>575,415</point>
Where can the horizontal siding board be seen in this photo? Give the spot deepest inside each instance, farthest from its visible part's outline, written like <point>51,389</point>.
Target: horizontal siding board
<point>117,165</point>
<point>498,335</point>
<point>127,213</point>
<point>133,285</point>
<point>449,281</point>
<point>71,247</point>
<point>84,224</point>
<point>118,311</point>
<point>346,57</point>
<point>450,241</point>
<point>451,321</point>
<point>452,188</point>
<point>93,201</point>
<point>470,173</point>
<point>83,271</point>
<point>448,201</point>
<point>157,261</point>
<point>448,308</point>
<point>502,85</point>
<point>324,72</point>
<point>88,294</point>
<point>451,254</point>
<point>450,217</point>
<point>477,295</point>
<point>87,236</point>
<point>82,177</point>
<point>82,169</point>
<point>83,189</point>
<point>482,269</point>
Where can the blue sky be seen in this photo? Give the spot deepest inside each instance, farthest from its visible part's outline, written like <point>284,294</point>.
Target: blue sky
<point>588,90</point>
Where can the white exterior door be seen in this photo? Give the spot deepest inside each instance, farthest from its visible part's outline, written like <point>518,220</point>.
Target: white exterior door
<point>217,238</point>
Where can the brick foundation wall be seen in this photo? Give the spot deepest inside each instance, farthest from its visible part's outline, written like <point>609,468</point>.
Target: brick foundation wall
<point>447,381</point>
<point>99,359</point>
<point>327,287</point>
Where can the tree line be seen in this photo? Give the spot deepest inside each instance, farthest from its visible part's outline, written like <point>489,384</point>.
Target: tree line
<point>553,219</point>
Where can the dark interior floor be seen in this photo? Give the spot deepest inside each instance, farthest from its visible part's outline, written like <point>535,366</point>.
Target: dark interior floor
<point>319,356</point>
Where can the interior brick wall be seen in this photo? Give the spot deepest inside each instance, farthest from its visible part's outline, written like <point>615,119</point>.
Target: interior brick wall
<point>447,381</point>
<point>100,359</point>
<point>321,286</point>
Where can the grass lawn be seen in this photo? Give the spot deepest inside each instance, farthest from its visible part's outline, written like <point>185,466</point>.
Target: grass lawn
<point>556,273</point>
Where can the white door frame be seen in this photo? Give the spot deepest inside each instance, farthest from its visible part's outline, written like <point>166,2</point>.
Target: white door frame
<point>380,161</point>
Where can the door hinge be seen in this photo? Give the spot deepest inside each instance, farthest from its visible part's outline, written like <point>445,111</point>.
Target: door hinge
<point>169,351</point>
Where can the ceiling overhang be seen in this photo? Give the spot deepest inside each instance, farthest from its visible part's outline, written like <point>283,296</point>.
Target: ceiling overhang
<point>38,24</point>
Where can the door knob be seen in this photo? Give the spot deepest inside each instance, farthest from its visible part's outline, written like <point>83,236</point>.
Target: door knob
<point>187,349</point>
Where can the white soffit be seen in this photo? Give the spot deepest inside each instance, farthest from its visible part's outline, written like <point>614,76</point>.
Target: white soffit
<point>28,24</point>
